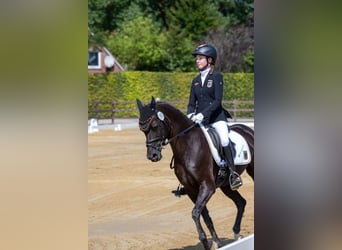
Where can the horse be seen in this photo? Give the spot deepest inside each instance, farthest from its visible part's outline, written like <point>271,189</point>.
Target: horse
<point>193,166</point>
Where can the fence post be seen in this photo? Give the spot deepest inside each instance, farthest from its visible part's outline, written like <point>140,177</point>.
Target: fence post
<point>97,111</point>
<point>235,110</point>
<point>113,111</point>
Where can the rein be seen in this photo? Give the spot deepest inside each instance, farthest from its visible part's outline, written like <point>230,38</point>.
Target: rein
<point>144,125</point>
<point>179,134</point>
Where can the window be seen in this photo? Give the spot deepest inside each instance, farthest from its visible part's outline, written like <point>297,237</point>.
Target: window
<point>94,59</point>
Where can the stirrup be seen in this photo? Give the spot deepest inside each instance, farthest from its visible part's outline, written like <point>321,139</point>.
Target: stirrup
<point>237,180</point>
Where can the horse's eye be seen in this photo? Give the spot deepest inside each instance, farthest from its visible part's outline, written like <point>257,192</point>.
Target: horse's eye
<point>143,127</point>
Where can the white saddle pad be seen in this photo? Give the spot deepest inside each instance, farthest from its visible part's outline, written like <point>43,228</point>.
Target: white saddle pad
<point>243,153</point>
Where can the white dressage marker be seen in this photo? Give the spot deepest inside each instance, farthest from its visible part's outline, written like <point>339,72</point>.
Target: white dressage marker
<point>93,126</point>
<point>117,127</point>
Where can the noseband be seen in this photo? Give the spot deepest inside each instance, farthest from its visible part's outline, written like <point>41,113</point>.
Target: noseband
<point>145,127</point>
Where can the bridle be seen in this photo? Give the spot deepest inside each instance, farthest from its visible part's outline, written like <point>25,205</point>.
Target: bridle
<point>146,125</point>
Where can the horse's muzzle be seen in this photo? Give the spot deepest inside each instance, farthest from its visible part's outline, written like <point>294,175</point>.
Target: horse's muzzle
<point>154,155</point>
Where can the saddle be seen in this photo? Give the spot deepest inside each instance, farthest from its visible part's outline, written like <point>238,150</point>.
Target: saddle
<point>215,138</point>
<point>241,151</point>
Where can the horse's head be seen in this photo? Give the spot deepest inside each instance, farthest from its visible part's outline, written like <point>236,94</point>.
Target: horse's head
<point>152,122</point>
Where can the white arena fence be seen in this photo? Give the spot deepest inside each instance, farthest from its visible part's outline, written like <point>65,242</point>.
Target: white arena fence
<point>246,243</point>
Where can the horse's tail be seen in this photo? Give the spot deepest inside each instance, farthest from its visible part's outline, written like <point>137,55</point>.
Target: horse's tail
<point>245,131</point>
<point>248,134</point>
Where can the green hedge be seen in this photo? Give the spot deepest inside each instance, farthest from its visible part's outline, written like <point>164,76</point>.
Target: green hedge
<point>175,86</point>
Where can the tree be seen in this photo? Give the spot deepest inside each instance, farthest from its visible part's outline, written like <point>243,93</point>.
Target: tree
<point>139,43</point>
<point>234,45</point>
<point>188,22</point>
<point>105,15</point>
<point>237,11</point>
<point>160,35</point>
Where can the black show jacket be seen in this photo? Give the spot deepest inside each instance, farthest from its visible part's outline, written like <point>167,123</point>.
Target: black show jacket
<point>207,99</point>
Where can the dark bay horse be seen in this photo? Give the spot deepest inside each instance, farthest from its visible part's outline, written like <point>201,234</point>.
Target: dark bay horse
<point>194,165</point>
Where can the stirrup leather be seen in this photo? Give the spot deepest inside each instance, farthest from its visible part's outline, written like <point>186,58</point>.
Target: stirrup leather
<point>221,176</point>
<point>222,171</point>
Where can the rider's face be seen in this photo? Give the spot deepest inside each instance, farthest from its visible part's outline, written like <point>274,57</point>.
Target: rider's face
<point>201,62</point>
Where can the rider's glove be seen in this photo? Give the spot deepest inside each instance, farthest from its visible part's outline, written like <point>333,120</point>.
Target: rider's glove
<point>198,118</point>
<point>191,115</point>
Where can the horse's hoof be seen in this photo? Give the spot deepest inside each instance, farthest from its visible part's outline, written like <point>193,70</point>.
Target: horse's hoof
<point>238,236</point>
<point>214,246</point>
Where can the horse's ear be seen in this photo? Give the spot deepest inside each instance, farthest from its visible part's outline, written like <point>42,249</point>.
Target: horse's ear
<point>153,103</point>
<point>140,105</point>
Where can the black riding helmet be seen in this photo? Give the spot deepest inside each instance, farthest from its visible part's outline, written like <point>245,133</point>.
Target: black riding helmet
<point>206,50</point>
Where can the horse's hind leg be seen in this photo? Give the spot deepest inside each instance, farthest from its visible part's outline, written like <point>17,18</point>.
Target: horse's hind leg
<point>240,203</point>
<point>250,170</point>
<point>210,225</point>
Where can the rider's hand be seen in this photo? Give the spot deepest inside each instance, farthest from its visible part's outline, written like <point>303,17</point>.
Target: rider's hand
<point>198,118</point>
<point>191,115</point>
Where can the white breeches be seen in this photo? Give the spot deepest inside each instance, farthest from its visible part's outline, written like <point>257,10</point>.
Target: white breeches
<point>222,129</point>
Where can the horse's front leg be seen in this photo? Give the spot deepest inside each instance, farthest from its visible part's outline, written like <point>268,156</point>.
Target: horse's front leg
<point>204,194</point>
<point>208,221</point>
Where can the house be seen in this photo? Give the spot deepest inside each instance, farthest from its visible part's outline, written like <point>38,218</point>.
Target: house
<point>100,60</point>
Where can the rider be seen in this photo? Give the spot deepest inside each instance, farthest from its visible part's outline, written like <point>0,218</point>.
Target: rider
<point>205,105</point>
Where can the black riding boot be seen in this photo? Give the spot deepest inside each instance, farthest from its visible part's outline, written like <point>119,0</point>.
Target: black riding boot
<point>235,180</point>
<point>223,171</point>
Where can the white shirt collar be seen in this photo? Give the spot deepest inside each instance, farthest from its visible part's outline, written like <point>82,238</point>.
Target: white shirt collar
<point>204,74</point>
